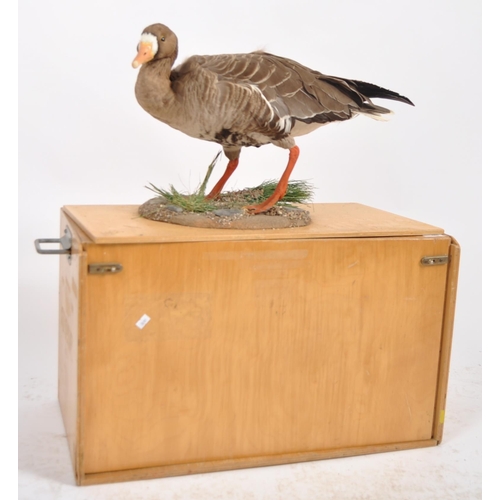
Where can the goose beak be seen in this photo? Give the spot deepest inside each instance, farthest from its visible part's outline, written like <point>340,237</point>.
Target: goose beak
<point>144,54</point>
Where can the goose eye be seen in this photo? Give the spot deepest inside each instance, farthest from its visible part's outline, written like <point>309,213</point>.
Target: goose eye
<point>162,38</point>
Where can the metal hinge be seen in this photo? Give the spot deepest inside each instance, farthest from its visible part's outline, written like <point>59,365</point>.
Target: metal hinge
<point>105,268</point>
<point>434,260</point>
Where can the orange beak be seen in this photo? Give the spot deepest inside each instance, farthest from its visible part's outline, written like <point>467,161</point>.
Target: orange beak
<point>144,54</point>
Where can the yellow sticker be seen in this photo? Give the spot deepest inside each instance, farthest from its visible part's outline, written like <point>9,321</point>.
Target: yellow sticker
<point>441,417</point>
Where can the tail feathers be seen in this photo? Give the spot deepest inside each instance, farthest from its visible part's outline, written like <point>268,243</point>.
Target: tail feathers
<point>376,112</point>
<point>370,90</point>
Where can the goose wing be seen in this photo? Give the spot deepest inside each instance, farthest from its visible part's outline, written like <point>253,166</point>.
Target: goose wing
<point>293,90</point>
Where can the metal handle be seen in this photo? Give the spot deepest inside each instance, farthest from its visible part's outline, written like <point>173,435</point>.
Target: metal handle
<point>64,241</point>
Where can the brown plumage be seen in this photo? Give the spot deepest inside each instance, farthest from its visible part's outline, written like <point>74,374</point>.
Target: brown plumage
<point>245,99</point>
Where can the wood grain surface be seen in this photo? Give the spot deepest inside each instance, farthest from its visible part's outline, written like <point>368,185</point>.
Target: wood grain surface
<point>72,292</point>
<point>259,349</point>
<point>221,349</point>
<point>122,224</point>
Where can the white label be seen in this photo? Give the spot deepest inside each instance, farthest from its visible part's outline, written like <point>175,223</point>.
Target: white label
<point>143,321</point>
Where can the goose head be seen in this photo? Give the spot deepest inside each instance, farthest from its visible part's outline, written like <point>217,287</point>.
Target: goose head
<point>157,42</point>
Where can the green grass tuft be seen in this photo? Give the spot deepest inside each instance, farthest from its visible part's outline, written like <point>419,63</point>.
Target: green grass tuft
<point>298,192</point>
<point>195,202</point>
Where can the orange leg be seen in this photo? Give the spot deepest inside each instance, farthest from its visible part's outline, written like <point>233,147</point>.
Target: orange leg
<point>231,167</point>
<point>282,186</point>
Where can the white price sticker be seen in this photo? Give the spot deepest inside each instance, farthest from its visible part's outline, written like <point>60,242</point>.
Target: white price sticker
<point>143,321</point>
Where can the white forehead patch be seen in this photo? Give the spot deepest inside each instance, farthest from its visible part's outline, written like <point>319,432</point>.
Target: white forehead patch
<point>150,38</point>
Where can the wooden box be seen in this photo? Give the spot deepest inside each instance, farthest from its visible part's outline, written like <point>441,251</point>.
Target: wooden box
<point>188,350</point>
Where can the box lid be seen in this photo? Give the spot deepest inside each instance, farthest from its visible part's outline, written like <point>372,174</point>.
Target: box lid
<point>105,224</point>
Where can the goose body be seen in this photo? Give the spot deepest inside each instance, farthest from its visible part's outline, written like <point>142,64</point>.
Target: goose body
<point>240,100</point>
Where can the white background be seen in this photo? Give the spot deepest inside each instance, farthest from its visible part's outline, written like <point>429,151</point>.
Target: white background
<point>83,139</point>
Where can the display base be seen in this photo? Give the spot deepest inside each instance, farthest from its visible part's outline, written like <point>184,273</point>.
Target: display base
<point>278,217</point>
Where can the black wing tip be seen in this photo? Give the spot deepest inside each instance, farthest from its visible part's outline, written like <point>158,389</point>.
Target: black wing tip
<point>402,98</point>
<point>393,96</point>
<point>371,90</point>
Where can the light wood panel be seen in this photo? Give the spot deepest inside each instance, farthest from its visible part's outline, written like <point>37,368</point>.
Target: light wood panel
<point>222,465</point>
<point>448,320</point>
<point>72,276</point>
<point>259,349</point>
<point>122,224</point>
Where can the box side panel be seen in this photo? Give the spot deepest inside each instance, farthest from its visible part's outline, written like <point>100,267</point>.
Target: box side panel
<point>448,320</point>
<point>72,275</point>
<point>229,350</point>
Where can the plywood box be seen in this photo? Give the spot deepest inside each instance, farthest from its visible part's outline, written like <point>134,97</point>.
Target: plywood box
<point>221,349</point>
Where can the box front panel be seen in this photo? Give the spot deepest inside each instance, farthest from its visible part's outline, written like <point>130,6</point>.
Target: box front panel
<point>198,352</point>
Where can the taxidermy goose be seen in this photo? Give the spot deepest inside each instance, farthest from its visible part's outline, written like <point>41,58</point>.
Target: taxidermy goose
<point>245,100</point>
